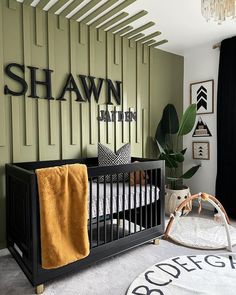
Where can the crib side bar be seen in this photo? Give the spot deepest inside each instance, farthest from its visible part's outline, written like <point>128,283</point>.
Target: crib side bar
<point>111,206</point>
<point>123,202</point>
<point>141,200</point>
<point>105,209</point>
<point>135,204</point>
<point>129,204</point>
<point>90,211</point>
<point>150,195</point>
<point>117,205</point>
<point>145,196</point>
<point>98,207</point>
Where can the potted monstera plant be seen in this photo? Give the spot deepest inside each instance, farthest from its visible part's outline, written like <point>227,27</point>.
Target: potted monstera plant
<point>168,138</point>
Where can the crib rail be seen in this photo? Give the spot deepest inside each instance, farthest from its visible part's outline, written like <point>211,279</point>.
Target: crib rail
<point>123,209</point>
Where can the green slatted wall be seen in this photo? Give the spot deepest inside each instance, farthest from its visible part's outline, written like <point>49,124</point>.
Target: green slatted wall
<point>33,130</point>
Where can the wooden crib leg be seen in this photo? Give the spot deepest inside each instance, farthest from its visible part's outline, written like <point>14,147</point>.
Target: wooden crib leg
<point>156,242</point>
<point>39,289</point>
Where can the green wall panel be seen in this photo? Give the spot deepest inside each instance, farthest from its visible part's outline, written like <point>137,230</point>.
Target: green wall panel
<point>114,72</point>
<point>143,90</point>
<point>83,68</point>
<point>2,98</point>
<point>166,86</point>
<point>53,105</point>
<point>38,129</point>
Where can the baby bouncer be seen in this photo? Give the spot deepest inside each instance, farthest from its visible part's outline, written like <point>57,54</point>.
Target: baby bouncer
<point>198,232</point>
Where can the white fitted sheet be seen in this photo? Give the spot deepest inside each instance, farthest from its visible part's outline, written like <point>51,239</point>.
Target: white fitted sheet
<point>140,197</point>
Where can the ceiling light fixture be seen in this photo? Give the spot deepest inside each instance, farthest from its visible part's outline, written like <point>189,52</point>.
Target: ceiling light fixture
<point>219,10</point>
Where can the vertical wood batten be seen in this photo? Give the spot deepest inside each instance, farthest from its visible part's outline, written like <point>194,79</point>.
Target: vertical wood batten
<point>117,130</point>
<point>138,100</point>
<point>144,132</point>
<point>99,35</point>
<point>41,129</point>
<point>124,92</point>
<point>148,149</point>
<point>82,33</point>
<point>51,64</point>
<point>114,72</point>
<point>97,68</point>
<point>38,27</point>
<point>2,97</point>
<point>15,108</point>
<point>110,134</point>
<point>92,41</point>
<point>101,125</point>
<point>74,106</point>
<point>27,42</point>
<point>12,4</point>
<point>129,83</point>
<point>117,48</point>
<point>84,118</point>
<point>142,91</point>
<point>132,130</point>
<point>144,54</point>
<point>61,22</point>
<point>83,68</point>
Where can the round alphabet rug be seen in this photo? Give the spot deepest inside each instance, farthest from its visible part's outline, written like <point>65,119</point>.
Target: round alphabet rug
<point>186,275</point>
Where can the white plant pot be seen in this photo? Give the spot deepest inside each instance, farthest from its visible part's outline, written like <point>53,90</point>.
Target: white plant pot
<point>173,198</point>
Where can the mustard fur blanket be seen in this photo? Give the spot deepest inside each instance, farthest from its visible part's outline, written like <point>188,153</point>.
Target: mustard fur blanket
<point>63,193</point>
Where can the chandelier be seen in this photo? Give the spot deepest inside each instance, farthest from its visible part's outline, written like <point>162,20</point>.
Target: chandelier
<point>218,10</point>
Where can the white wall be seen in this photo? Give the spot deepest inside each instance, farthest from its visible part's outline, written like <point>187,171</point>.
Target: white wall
<point>201,64</point>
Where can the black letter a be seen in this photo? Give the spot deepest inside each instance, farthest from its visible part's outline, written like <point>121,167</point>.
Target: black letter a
<point>70,86</point>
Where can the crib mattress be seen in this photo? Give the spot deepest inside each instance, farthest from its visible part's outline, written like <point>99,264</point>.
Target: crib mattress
<point>121,202</point>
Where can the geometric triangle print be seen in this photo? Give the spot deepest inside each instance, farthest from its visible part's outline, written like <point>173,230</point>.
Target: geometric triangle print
<point>201,129</point>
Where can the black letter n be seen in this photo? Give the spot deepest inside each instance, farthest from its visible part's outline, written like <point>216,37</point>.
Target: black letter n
<point>115,91</point>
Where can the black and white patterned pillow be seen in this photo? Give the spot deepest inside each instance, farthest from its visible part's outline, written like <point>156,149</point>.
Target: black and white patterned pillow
<point>106,157</point>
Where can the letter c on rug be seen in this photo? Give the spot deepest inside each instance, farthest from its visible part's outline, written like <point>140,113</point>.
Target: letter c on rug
<point>137,289</point>
<point>151,282</point>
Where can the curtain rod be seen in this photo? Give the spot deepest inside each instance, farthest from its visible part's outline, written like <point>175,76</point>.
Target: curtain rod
<point>217,45</point>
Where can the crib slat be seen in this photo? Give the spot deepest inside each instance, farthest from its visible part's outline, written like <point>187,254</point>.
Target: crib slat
<point>123,185</point>
<point>117,204</point>
<point>135,208</point>
<point>111,211</point>
<point>141,201</point>
<point>104,208</point>
<point>150,198</point>
<point>129,206</point>
<point>98,198</point>
<point>90,211</point>
<point>145,198</point>
<point>155,197</point>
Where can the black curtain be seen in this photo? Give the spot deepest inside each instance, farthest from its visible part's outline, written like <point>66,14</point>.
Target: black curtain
<point>226,127</point>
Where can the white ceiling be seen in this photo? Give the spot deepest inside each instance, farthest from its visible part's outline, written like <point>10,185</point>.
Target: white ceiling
<point>180,21</point>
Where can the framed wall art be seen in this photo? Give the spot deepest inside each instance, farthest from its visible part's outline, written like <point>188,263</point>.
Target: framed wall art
<point>202,93</point>
<point>201,150</point>
<point>201,129</point>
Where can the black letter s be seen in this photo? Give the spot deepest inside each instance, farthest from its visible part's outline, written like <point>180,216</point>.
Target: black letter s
<point>18,79</point>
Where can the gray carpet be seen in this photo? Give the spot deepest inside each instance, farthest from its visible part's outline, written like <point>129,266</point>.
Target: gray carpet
<point>112,276</point>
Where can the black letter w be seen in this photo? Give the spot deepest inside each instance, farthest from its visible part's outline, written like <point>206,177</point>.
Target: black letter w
<point>92,88</point>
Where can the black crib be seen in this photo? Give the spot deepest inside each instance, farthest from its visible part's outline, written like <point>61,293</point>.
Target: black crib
<point>121,216</point>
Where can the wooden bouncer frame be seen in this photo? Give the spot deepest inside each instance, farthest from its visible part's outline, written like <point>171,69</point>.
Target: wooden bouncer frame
<point>214,202</point>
